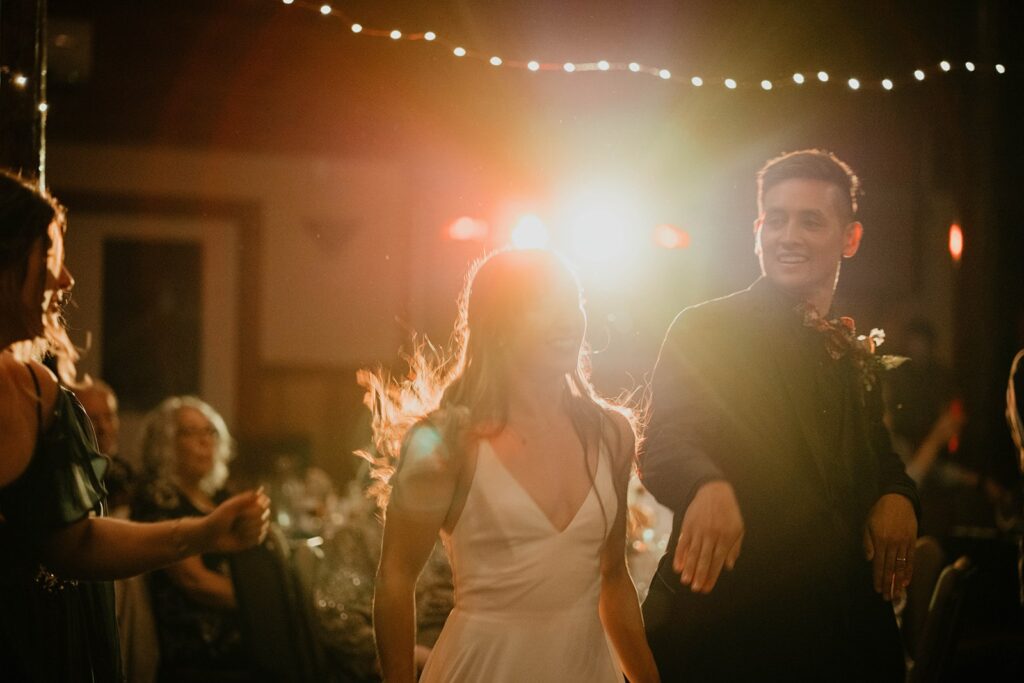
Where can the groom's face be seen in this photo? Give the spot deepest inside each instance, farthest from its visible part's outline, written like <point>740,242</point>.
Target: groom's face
<point>803,235</point>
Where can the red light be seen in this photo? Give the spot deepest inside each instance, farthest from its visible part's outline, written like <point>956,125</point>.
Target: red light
<point>956,242</point>
<point>670,237</point>
<point>466,228</point>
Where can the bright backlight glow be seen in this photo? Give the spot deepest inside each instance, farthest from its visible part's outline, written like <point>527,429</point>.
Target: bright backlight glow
<point>530,233</point>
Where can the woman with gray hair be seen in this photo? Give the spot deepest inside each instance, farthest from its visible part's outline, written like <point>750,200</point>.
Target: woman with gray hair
<point>185,450</point>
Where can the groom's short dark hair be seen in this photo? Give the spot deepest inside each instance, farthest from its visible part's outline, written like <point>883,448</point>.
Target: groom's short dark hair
<point>811,164</point>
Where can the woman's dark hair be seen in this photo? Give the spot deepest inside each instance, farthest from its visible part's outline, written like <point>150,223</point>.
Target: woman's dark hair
<point>26,213</point>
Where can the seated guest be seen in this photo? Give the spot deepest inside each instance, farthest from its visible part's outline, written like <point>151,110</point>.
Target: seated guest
<point>344,592</point>
<point>135,625</point>
<point>185,449</point>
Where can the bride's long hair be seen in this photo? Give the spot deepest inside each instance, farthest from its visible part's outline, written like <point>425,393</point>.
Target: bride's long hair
<point>463,391</point>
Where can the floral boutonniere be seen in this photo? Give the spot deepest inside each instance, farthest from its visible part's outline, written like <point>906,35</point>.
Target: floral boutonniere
<point>841,339</point>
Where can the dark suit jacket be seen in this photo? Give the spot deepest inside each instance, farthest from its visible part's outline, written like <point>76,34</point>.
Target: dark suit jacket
<point>743,391</point>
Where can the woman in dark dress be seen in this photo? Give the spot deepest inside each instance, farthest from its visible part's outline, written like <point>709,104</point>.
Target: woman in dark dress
<point>57,550</point>
<point>185,450</point>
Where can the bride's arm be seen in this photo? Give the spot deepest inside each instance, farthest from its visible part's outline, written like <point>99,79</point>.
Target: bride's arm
<point>422,492</point>
<point>620,606</point>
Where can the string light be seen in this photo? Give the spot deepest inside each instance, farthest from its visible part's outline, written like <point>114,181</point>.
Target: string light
<point>43,106</point>
<point>766,84</point>
<point>20,81</point>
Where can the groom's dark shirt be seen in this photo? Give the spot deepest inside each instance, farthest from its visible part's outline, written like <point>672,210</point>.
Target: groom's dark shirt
<point>744,391</point>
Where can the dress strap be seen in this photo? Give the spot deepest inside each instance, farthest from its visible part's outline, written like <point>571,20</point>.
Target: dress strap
<point>39,398</point>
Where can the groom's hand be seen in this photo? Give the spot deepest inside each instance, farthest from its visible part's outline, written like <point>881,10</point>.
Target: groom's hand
<point>889,539</point>
<point>710,536</point>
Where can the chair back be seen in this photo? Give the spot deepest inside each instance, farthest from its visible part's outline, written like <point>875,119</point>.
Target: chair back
<point>941,627</point>
<point>275,623</point>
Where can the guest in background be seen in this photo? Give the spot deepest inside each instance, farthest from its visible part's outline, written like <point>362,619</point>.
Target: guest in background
<point>136,628</point>
<point>58,548</point>
<point>344,591</point>
<point>100,403</point>
<point>184,453</point>
<point>926,418</point>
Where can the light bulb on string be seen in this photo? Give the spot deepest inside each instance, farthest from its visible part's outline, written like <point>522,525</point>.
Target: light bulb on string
<point>1000,69</point>
<point>325,10</point>
<point>429,35</point>
<point>357,28</point>
<point>945,66</point>
<point>969,66</point>
<point>43,106</point>
<point>459,52</point>
<point>730,84</point>
<point>665,74</point>
<point>396,35</point>
<point>603,65</point>
<point>697,81</point>
<point>823,76</point>
<point>766,84</point>
<point>887,83</point>
<point>533,66</point>
<point>495,61</point>
<point>798,78</point>
<point>919,75</point>
<point>20,81</point>
<point>854,84</point>
<point>288,2</point>
<point>569,67</point>
<point>634,67</point>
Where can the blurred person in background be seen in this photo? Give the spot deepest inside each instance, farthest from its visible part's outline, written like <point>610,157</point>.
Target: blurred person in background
<point>59,550</point>
<point>184,454</point>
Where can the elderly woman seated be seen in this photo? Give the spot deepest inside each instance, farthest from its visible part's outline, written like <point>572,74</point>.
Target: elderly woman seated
<point>184,454</point>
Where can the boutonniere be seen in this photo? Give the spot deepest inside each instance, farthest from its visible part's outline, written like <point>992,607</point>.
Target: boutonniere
<point>842,340</point>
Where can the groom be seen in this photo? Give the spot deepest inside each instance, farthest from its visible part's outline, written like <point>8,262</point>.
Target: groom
<point>794,522</point>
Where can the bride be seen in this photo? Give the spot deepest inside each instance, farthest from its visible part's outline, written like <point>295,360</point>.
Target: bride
<point>506,450</point>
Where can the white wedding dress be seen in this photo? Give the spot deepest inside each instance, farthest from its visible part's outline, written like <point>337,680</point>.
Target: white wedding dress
<point>526,594</point>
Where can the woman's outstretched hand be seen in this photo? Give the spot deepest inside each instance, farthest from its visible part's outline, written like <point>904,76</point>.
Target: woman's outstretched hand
<point>238,523</point>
